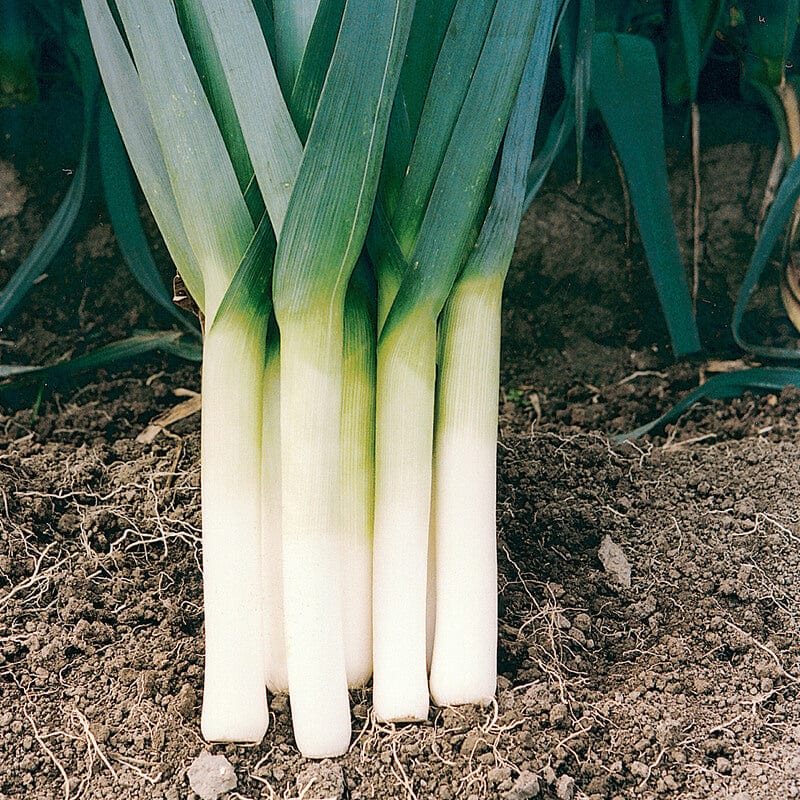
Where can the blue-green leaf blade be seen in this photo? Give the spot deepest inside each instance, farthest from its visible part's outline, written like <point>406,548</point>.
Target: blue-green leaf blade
<point>456,206</point>
<point>315,63</point>
<point>204,183</point>
<point>626,87</point>
<point>450,82</point>
<point>332,201</point>
<point>126,98</point>
<point>719,387</point>
<point>494,247</point>
<point>268,129</point>
<point>121,203</point>
<point>57,231</point>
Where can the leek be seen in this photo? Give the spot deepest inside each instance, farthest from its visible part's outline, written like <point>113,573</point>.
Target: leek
<point>176,146</point>
<point>357,465</point>
<point>464,661</point>
<point>322,470</point>
<point>437,234</point>
<point>317,251</point>
<point>275,673</point>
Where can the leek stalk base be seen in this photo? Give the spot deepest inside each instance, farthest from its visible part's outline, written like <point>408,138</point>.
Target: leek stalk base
<point>464,662</point>
<point>234,698</point>
<point>311,389</point>
<point>404,441</point>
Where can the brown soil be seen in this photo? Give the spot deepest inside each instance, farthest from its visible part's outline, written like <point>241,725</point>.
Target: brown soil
<point>683,685</point>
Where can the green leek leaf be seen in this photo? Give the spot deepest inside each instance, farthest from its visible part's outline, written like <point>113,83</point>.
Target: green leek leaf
<point>492,252</point>
<point>125,96</point>
<point>206,59</point>
<point>314,67</point>
<point>626,87</point>
<point>428,29</point>
<point>121,203</point>
<point>448,227</point>
<point>269,132</point>
<point>332,201</point>
<point>575,36</point>
<point>729,384</point>
<point>449,85</point>
<point>250,289</point>
<point>294,20</point>
<point>215,216</point>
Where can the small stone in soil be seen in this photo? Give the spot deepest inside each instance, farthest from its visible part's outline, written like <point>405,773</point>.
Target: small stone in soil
<point>185,701</point>
<point>210,776</point>
<point>559,715</point>
<point>614,562</point>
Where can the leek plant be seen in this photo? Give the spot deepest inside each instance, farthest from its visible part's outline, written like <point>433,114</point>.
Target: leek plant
<point>464,658</point>
<point>340,184</point>
<point>199,105</point>
<point>431,220</point>
<point>271,145</point>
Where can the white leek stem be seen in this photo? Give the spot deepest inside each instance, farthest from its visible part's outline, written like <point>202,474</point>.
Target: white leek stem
<point>271,549</point>
<point>234,698</point>
<point>404,441</point>
<point>358,487</point>
<point>464,664</point>
<point>311,392</point>
<point>430,599</point>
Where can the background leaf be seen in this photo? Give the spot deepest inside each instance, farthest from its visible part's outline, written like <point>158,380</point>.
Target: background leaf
<point>172,342</point>
<point>60,227</point>
<point>726,385</point>
<point>626,86</point>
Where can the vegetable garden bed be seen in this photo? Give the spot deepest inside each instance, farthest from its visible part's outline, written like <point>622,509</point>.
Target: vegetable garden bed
<point>682,685</point>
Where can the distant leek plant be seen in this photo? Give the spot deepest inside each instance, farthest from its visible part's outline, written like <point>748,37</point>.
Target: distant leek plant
<point>272,142</point>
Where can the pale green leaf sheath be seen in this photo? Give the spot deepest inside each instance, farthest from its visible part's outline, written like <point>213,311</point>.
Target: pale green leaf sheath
<point>234,356</point>
<point>407,368</point>
<point>271,549</point>
<point>357,459</point>
<point>464,661</point>
<point>320,241</point>
<point>234,704</point>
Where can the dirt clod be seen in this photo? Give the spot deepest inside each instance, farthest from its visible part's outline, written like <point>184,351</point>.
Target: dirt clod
<point>321,781</point>
<point>185,701</point>
<point>525,787</point>
<point>565,787</point>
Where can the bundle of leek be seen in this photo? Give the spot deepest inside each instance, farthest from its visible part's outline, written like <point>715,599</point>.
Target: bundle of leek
<point>260,133</point>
